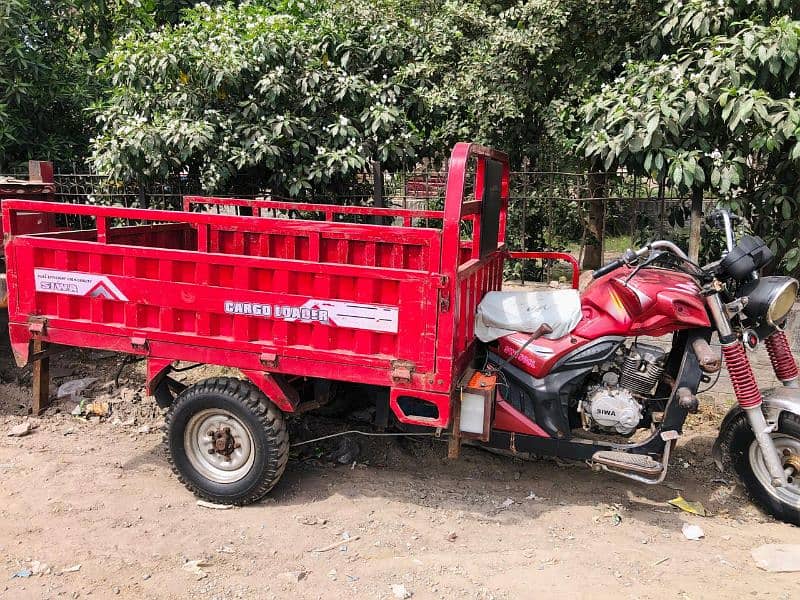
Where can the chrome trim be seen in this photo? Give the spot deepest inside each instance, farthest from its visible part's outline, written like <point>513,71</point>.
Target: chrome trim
<point>789,281</point>
<point>717,309</point>
<point>665,245</point>
<point>778,400</point>
<point>730,242</point>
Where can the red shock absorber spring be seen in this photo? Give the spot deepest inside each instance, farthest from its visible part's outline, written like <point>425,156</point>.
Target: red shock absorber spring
<point>781,357</point>
<point>741,373</point>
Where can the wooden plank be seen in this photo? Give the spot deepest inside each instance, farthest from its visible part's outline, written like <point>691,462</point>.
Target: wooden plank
<point>41,380</point>
<point>454,442</point>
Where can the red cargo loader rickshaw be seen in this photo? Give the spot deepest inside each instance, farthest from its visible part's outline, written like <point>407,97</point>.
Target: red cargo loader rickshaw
<point>304,307</point>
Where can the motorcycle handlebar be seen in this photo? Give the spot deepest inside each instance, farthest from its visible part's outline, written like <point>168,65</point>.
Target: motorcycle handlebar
<point>631,256</point>
<point>608,268</point>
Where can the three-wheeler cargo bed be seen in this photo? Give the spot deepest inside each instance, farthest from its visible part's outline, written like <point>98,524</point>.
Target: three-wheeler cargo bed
<point>389,305</point>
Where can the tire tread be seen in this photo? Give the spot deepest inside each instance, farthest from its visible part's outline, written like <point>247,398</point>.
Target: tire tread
<point>735,442</point>
<point>252,399</point>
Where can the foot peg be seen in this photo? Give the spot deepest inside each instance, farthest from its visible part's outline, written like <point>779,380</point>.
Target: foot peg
<point>637,463</point>
<point>638,467</point>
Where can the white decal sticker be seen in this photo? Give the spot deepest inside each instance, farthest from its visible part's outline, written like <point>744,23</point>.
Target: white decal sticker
<point>76,284</point>
<point>331,312</point>
<point>360,316</point>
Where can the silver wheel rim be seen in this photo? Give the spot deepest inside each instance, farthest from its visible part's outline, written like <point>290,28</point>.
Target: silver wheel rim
<point>198,445</point>
<point>788,494</point>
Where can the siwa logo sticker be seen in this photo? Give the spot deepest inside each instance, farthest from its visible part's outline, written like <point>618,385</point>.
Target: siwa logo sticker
<point>76,284</point>
<point>351,315</point>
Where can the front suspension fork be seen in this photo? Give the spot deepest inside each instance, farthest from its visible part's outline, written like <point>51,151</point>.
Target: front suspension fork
<point>746,389</point>
<point>782,359</point>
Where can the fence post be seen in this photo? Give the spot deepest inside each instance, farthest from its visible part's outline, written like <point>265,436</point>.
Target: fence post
<point>695,223</point>
<point>377,194</point>
<point>40,171</point>
<point>596,216</point>
<point>142,193</point>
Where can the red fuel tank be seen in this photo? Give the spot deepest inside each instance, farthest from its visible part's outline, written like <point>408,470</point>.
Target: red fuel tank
<point>654,302</point>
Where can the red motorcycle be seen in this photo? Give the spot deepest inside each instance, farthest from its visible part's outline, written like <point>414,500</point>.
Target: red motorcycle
<point>606,395</point>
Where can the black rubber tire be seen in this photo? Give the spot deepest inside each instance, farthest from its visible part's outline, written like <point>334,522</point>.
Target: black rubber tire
<point>735,441</point>
<point>262,418</point>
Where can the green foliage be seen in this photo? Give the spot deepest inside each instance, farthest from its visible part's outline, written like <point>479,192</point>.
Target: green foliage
<point>44,82</point>
<point>235,89</point>
<point>307,94</point>
<point>49,50</point>
<point>717,112</point>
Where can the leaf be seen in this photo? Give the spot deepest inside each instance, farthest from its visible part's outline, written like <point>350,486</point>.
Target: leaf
<point>677,174</point>
<point>725,181</point>
<point>609,161</point>
<point>627,132</point>
<point>688,175</point>
<point>652,123</point>
<point>695,508</point>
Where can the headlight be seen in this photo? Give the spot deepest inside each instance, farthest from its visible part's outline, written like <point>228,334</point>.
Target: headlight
<point>770,299</point>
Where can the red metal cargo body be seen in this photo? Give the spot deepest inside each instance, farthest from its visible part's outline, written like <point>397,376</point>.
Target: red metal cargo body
<point>377,304</point>
<point>38,186</point>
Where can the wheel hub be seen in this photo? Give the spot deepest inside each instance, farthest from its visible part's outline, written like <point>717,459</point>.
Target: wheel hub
<point>223,442</point>
<point>219,445</point>
<point>791,461</point>
<point>788,448</point>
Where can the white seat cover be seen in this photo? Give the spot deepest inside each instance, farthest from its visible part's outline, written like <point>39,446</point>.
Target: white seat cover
<point>503,313</point>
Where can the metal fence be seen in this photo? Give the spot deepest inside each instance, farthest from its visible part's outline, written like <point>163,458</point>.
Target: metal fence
<point>548,207</point>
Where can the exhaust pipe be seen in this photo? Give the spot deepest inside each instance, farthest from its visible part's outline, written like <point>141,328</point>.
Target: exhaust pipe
<point>709,361</point>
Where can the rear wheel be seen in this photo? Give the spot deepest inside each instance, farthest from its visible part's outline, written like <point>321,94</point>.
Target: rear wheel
<point>226,441</point>
<point>742,454</point>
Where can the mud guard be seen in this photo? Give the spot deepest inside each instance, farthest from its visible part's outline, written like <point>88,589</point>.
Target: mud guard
<point>276,388</point>
<point>775,401</point>
<point>167,390</point>
<point>164,389</point>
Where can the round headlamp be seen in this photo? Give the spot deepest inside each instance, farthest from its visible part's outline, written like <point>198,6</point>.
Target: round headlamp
<point>770,299</point>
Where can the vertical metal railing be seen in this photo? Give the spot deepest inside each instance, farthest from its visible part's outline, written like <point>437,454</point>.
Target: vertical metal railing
<point>548,206</point>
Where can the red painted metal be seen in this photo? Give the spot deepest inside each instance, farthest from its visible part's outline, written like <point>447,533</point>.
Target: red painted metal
<point>541,356</point>
<point>328,211</point>
<point>741,373</point>
<point>508,418</point>
<point>39,186</point>
<point>384,305</point>
<point>563,256</point>
<point>654,302</point>
<point>781,357</point>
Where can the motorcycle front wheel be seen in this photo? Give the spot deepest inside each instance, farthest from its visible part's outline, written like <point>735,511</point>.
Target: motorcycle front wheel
<point>742,455</point>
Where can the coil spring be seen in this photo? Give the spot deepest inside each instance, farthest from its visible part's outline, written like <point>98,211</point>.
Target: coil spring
<point>742,377</point>
<point>781,357</point>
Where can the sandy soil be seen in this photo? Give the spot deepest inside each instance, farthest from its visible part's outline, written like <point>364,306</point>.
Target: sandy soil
<point>100,494</point>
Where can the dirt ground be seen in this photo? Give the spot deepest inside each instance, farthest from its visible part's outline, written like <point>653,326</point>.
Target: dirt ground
<point>100,494</point>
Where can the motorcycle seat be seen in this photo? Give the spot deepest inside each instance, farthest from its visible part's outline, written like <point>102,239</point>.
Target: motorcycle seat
<point>503,313</point>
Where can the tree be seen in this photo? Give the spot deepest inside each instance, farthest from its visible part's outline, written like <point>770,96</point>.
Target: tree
<point>306,95</point>
<point>49,50</point>
<point>233,89</point>
<point>45,82</point>
<point>713,109</point>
